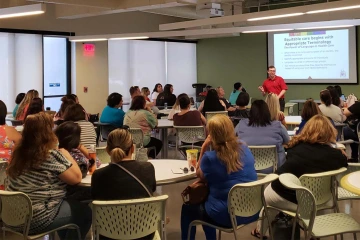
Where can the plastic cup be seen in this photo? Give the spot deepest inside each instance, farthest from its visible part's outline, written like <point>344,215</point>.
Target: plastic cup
<point>92,160</point>
<point>191,155</point>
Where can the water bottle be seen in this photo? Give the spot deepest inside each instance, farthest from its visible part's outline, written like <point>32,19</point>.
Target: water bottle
<point>165,106</point>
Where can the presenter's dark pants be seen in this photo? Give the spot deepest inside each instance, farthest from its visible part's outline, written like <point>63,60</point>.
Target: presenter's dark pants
<point>282,104</point>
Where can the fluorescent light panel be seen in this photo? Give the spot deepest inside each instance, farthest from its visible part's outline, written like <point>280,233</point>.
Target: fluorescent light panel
<point>89,40</point>
<point>333,9</point>
<point>276,16</point>
<point>129,38</point>
<point>26,10</point>
<point>324,27</point>
<point>267,30</point>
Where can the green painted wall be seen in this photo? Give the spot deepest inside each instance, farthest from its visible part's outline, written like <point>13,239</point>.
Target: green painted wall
<point>224,61</point>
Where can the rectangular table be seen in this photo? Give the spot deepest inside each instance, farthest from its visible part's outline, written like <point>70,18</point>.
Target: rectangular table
<point>298,101</point>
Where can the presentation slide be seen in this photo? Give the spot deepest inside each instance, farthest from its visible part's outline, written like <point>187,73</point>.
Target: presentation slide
<point>314,56</point>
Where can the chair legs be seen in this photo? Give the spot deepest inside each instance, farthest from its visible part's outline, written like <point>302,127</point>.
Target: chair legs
<point>220,235</point>
<point>293,228</point>
<point>355,236</point>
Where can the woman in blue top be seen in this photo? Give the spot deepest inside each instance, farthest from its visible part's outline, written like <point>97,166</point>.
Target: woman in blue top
<point>111,113</point>
<point>259,130</point>
<point>230,163</point>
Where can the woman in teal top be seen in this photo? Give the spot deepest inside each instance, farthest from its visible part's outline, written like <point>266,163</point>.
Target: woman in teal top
<point>234,94</point>
<point>111,113</point>
<point>18,100</point>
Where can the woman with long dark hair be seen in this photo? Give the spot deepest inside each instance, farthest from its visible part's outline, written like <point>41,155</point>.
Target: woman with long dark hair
<point>42,171</point>
<point>259,130</point>
<point>157,90</point>
<point>329,109</point>
<point>212,103</point>
<point>24,105</point>
<point>36,106</point>
<point>166,96</point>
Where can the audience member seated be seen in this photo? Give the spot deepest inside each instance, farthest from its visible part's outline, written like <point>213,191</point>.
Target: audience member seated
<point>176,107</point>
<point>138,117</point>
<point>212,103</point>
<point>24,105</point>
<point>241,108</point>
<point>260,130</point>
<point>8,135</point>
<point>157,89</point>
<point>113,113</point>
<point>230,163</point>
<point>59,116</point>
<point>36,106</point>
<point>330,110</point>
<point>335,97</point>
<point>76,113</point>
<point>235,93</point>
<point>18,100</point>
<point>310,152</point>
<point>341,95</point>
<point>272,101</point>
<point>353,115</point>
<point>186,117</point>
<point>123,186</point>
<point>166,96</point>
<point>134,91</point>
<point>42,171</point>
<point>146,92</point>
<point>68,134</point>
<point>221,94</point>
<point>309,110</point>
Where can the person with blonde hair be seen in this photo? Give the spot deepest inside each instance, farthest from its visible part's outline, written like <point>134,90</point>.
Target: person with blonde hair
<point>274,107</point>
<point>42,171</point>
<point>229,163</point>
<point>123,186</point>
<point>312,151</point>
<point>24,105</point>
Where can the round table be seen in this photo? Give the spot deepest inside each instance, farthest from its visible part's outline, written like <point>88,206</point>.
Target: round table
<point>351,182</point>
<point>167,171</point>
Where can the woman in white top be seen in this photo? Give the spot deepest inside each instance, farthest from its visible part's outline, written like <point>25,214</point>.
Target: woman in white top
<point>157,89</point>
<point>330,110</point>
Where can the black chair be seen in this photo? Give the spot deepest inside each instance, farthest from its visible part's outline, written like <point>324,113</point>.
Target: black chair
<point>102,131</point>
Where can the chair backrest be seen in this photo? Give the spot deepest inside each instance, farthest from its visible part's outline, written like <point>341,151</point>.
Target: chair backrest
<point>209,115</point>
<point>137,136</point>
<point>16,209</point>
<point>289,108</point>
<point>265,157</point>
<point>306,209</point>
<point>3,166</point>
<point>129,219</point>
<point>247,199</point>
<point>322,185</point>
<point>340,131</point>
<point>102,154</point>
<point>190,134</point>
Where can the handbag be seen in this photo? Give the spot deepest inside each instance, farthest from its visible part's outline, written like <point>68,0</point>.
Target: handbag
<point>195,193</point>
<point>141,154</point>
<point>138,180</point>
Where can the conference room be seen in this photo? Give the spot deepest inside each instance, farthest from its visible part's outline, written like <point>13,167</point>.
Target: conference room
<point>95,48</point>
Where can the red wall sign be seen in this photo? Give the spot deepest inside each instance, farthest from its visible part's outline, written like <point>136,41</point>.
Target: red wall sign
<point>88,49</point>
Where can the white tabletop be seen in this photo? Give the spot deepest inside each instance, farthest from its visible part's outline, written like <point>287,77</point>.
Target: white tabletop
<point>303,101</point>
<point>351,182</point>
<point>291,133</point>
<point>165,123</point>
<point>164,169</point>
<point>293,120</point>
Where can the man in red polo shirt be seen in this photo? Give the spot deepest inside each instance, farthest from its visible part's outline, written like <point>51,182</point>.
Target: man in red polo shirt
<point>274,84</point>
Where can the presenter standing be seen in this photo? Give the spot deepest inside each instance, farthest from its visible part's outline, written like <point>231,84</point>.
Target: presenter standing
<point>274,84</point>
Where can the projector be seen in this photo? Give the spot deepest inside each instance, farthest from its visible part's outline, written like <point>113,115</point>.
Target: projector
<point>209,10</point>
